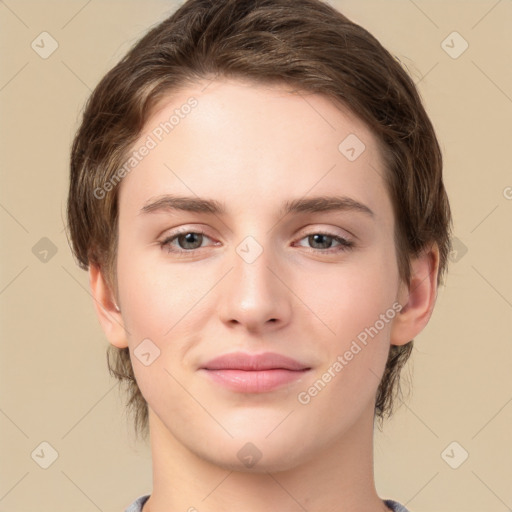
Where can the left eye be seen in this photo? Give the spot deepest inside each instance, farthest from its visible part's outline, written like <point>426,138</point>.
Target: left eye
<point>325,240</point>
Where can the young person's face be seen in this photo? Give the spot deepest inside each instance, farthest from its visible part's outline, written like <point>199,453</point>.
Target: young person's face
<point>258,281</point>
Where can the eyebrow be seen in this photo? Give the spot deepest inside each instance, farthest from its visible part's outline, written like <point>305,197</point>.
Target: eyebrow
<point>315,204</point>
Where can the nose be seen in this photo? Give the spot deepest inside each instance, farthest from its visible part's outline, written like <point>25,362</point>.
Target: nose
<point>254,295</point>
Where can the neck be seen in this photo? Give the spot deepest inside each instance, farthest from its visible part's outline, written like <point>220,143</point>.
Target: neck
<point>338,478</point>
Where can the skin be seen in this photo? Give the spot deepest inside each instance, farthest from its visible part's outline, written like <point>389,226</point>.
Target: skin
<point>253,147</point>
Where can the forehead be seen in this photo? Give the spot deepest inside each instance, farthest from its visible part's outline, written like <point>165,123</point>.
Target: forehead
<point>253,144</point>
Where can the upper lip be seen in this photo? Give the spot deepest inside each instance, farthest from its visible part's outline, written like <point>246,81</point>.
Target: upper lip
<point>254,362</point>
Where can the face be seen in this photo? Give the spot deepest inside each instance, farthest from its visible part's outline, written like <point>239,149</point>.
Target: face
<point>298,292</point>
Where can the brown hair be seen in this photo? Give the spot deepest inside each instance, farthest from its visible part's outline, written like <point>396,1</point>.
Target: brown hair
<point>303,43</point>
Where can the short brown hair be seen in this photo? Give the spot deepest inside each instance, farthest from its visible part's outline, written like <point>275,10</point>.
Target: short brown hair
<point>306,44</point>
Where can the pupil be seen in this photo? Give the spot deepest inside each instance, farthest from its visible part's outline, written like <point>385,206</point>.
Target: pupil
<point>318,239</point>
<point>189,239</point>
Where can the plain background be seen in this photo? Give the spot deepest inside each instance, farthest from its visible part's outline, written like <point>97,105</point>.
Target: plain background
<point>54,382</point>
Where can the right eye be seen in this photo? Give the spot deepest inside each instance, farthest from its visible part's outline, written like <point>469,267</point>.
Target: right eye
<point>187,241</point>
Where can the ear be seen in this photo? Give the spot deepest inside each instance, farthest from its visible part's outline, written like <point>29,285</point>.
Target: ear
<point>418,299</point>
<point>109,315</point>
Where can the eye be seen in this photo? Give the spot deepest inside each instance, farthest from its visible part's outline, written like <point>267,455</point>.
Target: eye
<point>322,241</point>
<point>186,241</point>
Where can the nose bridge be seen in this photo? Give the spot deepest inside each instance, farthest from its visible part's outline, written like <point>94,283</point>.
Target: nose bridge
<point>251,268</point>
<point>252,294</point>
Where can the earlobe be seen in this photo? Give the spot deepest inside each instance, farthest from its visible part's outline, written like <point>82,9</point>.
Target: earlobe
<point>109,314</point>
<point>418,299</point>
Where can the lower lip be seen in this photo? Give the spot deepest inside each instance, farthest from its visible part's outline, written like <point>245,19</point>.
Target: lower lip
<point>255,381</point>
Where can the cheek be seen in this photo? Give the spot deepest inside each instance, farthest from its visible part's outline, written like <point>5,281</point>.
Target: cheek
<point>359,309</point>
<point>350,296</point>
<point>166,304</point>
<point>155,295</point>
<point>356,302</point>
<point>155,305</point>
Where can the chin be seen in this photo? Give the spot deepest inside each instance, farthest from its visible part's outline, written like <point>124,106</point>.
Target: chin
<point>267,464</point>
<point>257,454</point>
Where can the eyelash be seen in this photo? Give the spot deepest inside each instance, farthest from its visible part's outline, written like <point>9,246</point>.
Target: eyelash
<point>345,245</point>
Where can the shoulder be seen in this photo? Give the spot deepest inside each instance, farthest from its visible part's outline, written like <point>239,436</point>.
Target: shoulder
<point>137,505</point>
<point>394,506</point>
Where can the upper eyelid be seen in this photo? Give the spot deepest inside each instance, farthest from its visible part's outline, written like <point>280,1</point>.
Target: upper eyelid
<point>327,231</point>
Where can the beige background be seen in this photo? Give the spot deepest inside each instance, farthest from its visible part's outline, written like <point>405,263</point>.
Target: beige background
<point>55,386</point>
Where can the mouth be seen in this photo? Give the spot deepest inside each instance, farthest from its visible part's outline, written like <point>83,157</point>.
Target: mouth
<point>254,373</point>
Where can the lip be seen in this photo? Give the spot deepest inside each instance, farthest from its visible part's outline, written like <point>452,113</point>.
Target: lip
<point>254,373</point>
